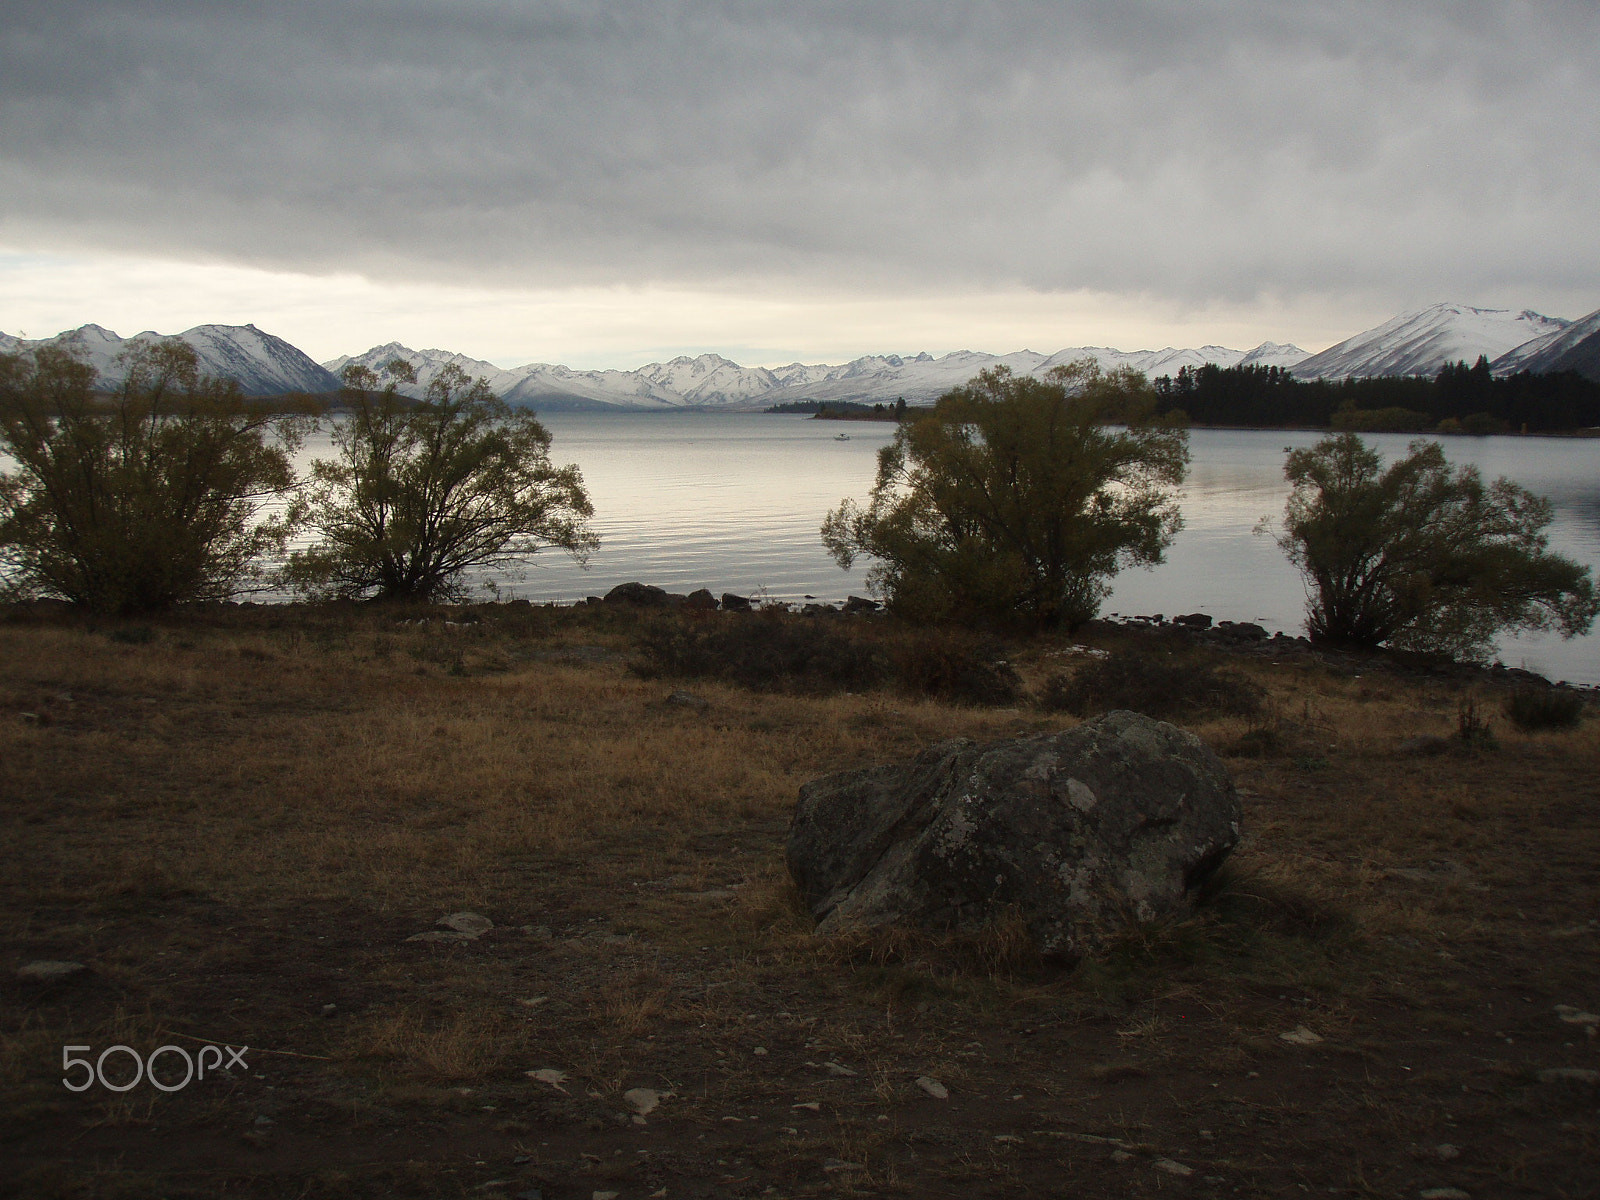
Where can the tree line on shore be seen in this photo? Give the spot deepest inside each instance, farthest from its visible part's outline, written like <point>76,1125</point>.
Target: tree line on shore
<point>1459,399</point>
<point>1012,502</point>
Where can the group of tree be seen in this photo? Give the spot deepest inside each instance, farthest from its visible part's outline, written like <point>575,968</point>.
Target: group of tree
<point>176,488</point>
<point>1016,500</point>
<point>1459,399</point>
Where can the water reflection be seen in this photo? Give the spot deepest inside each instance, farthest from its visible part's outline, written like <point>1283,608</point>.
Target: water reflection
<point>734,502</point>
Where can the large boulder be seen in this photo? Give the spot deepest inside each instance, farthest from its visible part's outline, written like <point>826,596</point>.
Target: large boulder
<point>1084,832</point>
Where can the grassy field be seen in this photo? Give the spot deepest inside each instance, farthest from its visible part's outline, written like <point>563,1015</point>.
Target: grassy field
<point>237,819</point>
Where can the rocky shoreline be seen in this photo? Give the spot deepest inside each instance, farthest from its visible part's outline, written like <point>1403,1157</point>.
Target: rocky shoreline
<point>1235,637</point>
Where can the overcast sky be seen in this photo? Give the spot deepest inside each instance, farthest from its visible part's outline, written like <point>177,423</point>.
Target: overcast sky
<point>603,184</point>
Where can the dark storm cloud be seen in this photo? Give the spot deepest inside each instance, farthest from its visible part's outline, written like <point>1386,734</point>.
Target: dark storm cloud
<point>1194,150</point>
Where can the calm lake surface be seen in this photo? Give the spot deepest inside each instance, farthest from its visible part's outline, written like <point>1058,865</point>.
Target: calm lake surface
<point>734,502</point>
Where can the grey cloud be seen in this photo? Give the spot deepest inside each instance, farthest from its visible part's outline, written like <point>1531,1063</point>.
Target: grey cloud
<point>1194,151</point>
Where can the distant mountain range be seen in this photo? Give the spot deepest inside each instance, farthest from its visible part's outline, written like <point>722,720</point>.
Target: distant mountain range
<point>1416,343</point>
<point>263,365</point>
<point>711,381</point>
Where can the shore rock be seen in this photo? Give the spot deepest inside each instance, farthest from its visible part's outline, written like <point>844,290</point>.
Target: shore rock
<point>1084,832</point>
<point>642,594</point>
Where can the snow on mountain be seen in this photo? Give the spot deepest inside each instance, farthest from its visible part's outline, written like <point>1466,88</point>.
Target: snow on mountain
<point>1584,358</point>
<point>427,364</point>
<point>1422,342</point>
<point>557,387</point>
<point>709,379</point>
<point>1275,354</point>
<point>263,365</point>
<point>1544,353</point>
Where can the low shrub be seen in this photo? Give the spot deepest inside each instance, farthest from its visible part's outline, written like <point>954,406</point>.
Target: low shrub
<point>767,652</point>
<point>1472,727</point>
<point>1153,686</point>
<point>947,665</point>
<point>1532,709</point>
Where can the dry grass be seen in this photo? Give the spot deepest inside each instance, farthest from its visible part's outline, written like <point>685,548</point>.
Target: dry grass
<point>239,820</point>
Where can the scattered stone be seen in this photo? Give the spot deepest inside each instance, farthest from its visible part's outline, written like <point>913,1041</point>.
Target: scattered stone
<point>808,1105</point>
<point>1193,621</point>
<point>47,970</point>
<point>644,1101</point>
<point>1121,1156</point>
<point>732,603</point>
<point>933,1087</point>
<point>1573,1016</point>
<point>643,595</point>
<point>1300,1036</point>
<point>329,1009</point>
<point>469,923</point>
<point>1239,631</point>
<point>1117,821</point>
<point>551,1076</point>
<point>688,700</point>
<point>839,1070</point>
<point>860,604</point>
<point>700,598</point>
<point>1173,1168</point>
<point>1010,1139</point>
<point>1569,1075</point>
<point>533,1001</point>
<point>834,1164</point>
<point>1446,1151</point>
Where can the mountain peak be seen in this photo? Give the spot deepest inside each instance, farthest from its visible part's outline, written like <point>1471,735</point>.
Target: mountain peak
<point>1423,341</point>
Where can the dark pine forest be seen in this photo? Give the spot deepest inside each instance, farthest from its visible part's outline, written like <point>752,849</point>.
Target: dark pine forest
<point>1459,399</point>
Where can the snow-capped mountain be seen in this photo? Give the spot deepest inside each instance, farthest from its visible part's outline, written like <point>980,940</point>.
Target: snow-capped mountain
<point>427,364</point>
<point>1584,358</point>
<point>262,364</point>
<point>1422,342</point>
<point>711,381</point>
<point>1415,343</point>
<point>1558,350</point>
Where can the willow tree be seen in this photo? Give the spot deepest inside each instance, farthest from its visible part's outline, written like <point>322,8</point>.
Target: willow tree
<point>421,493</point>
<point>1421,556</point>
<point>1017,499</point>
<point>141,498</point>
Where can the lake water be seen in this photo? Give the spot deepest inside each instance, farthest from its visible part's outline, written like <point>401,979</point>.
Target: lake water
<point>734,502</point>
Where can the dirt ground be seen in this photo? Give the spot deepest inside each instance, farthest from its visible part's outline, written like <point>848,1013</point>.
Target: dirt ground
<point>237,823</point>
